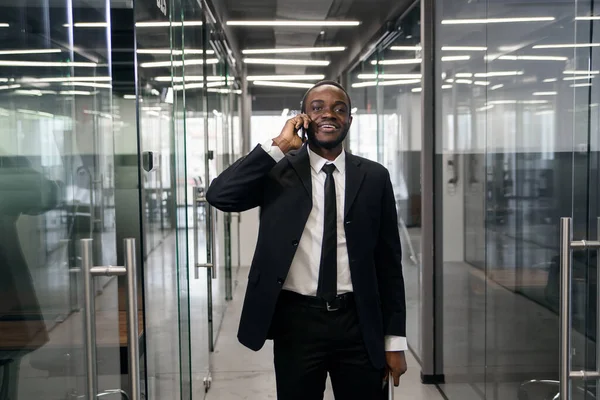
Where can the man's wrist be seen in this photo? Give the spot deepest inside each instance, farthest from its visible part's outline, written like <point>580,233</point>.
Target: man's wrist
<point>282,143</point>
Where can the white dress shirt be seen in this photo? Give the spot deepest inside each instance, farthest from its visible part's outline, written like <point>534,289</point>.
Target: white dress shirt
<point>303,277</point>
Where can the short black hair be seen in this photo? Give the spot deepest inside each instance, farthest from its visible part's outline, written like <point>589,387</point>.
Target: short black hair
<point>325,83</point>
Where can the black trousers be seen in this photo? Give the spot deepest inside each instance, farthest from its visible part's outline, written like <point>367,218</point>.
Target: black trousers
<point>310,343</point>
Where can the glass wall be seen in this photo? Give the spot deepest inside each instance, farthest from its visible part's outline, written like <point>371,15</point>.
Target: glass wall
<point>516,149</point>
<point>387,128</point>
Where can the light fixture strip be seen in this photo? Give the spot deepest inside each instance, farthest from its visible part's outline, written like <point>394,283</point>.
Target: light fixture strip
<point>294,23</point>
<point>472,21</point>
<point>293,50</point>
<point>275,61</point>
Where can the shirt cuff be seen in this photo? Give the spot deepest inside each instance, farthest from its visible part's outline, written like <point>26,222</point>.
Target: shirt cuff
<point>272,150</point>
<point>395,343</point>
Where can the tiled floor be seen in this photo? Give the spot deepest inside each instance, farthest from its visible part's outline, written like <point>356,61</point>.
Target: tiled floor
<point>239,373</point>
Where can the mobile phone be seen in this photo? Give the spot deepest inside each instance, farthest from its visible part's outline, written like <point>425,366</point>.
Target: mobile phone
<point>303,132</point>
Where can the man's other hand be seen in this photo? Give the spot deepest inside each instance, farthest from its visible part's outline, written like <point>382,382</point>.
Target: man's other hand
<point>396,365</point>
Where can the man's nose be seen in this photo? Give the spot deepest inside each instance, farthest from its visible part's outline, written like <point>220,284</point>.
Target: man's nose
<point>327,113</point>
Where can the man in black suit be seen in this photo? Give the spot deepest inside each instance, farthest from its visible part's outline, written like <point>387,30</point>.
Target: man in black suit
<point>326,280</point>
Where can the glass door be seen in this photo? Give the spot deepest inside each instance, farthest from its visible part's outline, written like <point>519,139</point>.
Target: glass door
<point>580,231</point>
<point>68,323</point>
<point>169,63</point>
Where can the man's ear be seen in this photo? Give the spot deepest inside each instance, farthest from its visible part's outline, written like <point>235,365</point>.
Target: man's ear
<point>350,121</point>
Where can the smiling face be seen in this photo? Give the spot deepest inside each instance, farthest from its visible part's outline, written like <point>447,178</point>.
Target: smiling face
<point>328,108</point>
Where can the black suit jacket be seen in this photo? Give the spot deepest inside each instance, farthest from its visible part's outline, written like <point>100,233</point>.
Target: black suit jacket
<point>284,192</point>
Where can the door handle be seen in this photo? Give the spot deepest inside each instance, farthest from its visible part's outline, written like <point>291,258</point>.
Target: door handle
<point>210,235</point>
<point>89,272</point>
<point>567,246</point>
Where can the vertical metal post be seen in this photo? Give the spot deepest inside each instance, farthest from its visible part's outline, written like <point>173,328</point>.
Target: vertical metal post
<point>132,321</point>
<point>89,319</point>
<point>239,241</point>
<point>211,239</point>
<point>431,201</point>
<point>566,225</point>
<point>598,302</point>
<point>195,225</point>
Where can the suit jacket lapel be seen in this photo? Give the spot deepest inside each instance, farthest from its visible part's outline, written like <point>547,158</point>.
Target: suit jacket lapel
<point>301,163</point>
<point>354,178</point>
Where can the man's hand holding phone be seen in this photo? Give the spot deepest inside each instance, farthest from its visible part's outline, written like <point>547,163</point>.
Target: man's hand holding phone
<point>289,139</point>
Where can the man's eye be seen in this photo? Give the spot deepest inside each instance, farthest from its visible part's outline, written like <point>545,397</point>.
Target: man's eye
<point>341,110</point>
<point>317,108</point>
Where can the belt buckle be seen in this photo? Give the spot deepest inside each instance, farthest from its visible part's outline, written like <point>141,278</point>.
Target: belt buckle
<point>332,308</point>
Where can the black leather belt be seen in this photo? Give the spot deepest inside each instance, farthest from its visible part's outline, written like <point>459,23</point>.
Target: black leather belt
<point>341,302</point>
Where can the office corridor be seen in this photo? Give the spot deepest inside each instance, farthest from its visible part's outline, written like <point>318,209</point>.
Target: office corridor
<point>239,373</point>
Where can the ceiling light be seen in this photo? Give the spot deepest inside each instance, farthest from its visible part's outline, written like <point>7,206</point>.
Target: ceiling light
<point>386,83</point>
<point>545,93</point>
<point>68,79</point>
<point>15,63</point>
<point>464,75</point>
<point>88,25</point>
<point>581,72</point>
<point>293,23</point>
<point>485,108</point>
<point>450,80</point>
<point>496,87</point>
<point>404,61</point>
<point>417,90</point>
<point>588,18</point>
<point>38,51</point>
<point>174,52</point>
<point>284,84</point>
<point>4,25</point>
<point>89,84</point>
<point>197,85</point>
<point>576,85</point>
<point>481,83</point>
<point>294,50</point>
<point>406,48</point>
<point>495,20</point>
<point>7,87</point>
<point>550,80</point>
<point>252,78</point>
<point>389,76</point>
<point>565,46</point>
<point>578,78</point>
<point>129,97</point>
<point>272,61</point>
<point>28,92</point>
<point>464,81</point>
<point>166,24</point>
<point>188,78</point>
<point>525,58</point>
<point>155,64</point>
<point>498,74</point>
<point>446,86</point>
<point>463,48</point>
<point>75,93</point>
<point>224,91</point>
<point>456,58</point>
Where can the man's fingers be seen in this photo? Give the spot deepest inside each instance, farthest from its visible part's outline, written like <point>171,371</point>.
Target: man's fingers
<point>396,379</point>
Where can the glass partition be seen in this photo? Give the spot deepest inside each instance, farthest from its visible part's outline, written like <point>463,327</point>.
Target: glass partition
<point>516,150</point>
<point>387,129</point>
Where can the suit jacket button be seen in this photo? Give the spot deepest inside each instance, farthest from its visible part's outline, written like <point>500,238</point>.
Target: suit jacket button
<point>279,281</point>
<point>348,222</point>
<point>295,243</point>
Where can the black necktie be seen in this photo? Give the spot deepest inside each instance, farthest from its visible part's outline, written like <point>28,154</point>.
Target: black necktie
<point>327,288</point>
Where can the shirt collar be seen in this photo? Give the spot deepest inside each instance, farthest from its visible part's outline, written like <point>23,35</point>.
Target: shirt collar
<point>317,162</point>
